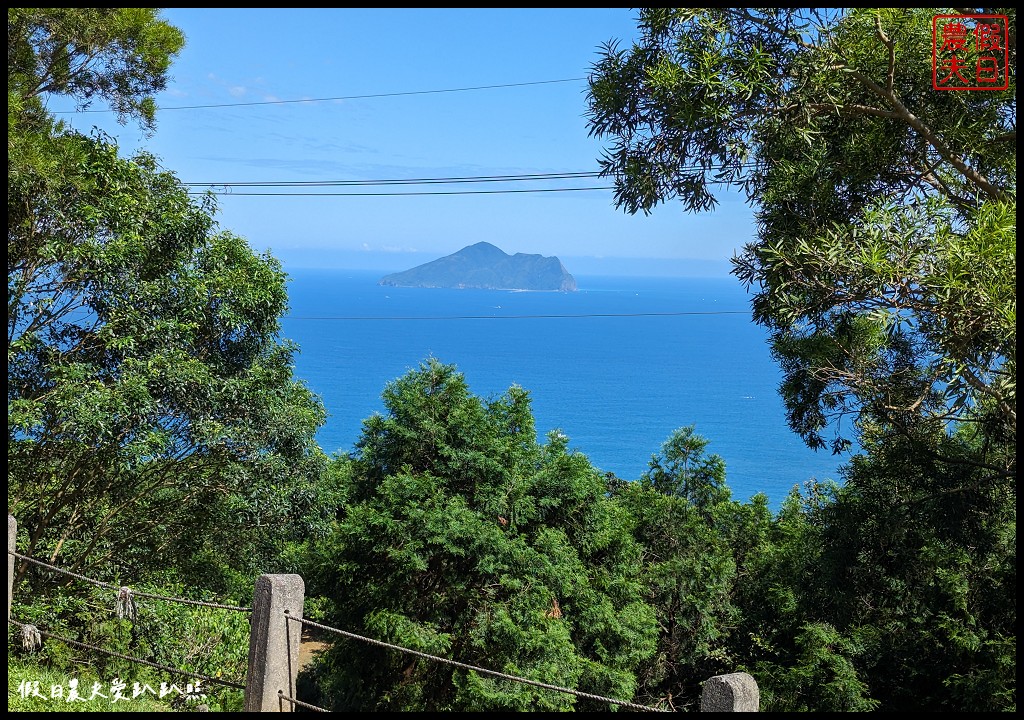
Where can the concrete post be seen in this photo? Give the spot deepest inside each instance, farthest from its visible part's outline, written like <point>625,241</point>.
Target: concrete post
<point>274,643</point>
<point>12,546</point>
<point>736,692</point>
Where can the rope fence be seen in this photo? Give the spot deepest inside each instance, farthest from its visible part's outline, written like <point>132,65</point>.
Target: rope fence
<point>274,650</point>
<point>134,593</point>
<point>158,666</point>
<point>293,701</point>
<point>125,608</point>
<point>302,621</point>
<point>525,681</point>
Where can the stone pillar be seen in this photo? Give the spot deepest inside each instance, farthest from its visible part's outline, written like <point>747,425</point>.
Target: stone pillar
<point>274,643</point>
<point>736,692</point>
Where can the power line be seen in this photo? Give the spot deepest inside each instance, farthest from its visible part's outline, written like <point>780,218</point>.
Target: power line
<point>454,180</point>
<point>408,181</point>
<point>449,180</point>
<point>342,97</point>
<point>228,188</point>
<point>383,194</point>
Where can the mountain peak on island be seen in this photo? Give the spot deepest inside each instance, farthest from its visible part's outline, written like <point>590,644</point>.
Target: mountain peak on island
<point>487,267</point>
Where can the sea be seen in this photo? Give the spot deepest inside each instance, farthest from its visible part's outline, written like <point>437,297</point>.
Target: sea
<point>616,366</point>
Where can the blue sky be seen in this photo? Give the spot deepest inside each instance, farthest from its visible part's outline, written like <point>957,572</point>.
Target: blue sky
<point>266,56</point>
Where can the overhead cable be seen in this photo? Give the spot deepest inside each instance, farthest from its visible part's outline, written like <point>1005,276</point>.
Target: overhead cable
<point>340,97</point>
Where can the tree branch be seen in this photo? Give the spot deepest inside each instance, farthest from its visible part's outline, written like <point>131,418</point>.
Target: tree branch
<point>892,54</point>
<point>928,134</point>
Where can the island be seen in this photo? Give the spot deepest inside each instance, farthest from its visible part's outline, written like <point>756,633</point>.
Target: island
<point>484,266</point>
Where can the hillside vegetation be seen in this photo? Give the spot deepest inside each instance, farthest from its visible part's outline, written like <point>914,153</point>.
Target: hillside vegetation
<point>158,438</point>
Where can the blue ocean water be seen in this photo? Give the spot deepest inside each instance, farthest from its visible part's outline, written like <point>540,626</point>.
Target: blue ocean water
<point>616,366</point>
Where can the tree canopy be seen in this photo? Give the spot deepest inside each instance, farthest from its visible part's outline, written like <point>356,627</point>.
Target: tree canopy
<point>883,264</point>
<point>152,411</point>
<point>884,257</point>
<point>120,56</point>
<point>463,537</point>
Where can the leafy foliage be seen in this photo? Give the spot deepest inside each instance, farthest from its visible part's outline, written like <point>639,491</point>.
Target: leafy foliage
<point>482,545</point>
<point>924,553</point>
<point>118,55</point>
<point>682,517</point>
<point>884,268</point>
<point>207,641</point>
<point>884,264</point>
<point>154,425</point>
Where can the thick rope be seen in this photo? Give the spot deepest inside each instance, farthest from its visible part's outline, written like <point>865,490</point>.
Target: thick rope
<point>69,641</point>
<point>293,701</point>
<point>135,593</point>
<point>546,686</point>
